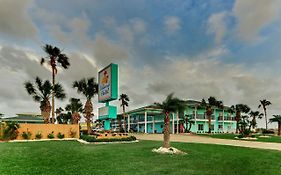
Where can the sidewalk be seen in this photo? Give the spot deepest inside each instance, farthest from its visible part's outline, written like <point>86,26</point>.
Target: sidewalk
<point>199,139</point>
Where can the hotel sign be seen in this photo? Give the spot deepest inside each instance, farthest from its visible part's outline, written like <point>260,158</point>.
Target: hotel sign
<point>108,83</point>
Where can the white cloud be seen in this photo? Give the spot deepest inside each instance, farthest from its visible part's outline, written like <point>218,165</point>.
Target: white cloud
<point>217,25</point>
<point>253,15</point>
<point>14,19</point>
<point>172,24</point>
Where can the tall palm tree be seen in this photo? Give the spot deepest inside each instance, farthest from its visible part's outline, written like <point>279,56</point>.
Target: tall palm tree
<point>277,118</point>
<point>41,92</point>
<point>75,106</point>
<point>238,109</point>
<point>255,115</point>
<point>89,88</point>
<point>55,57</point>
<point>168,106</point>
<point>264,103</point>
<point>124,98</point>
<point>212,102</point>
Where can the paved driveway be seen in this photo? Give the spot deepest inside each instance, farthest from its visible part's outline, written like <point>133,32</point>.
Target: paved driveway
<point>207,140</point>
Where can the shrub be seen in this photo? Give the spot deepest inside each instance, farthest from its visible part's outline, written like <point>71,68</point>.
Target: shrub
<point>26,135</point>
<point>60,135</point>
<point>10,131</point>
<point>51,135</point>
<point>38,135</point>
<point>264,131</point>
<point>90,138</point>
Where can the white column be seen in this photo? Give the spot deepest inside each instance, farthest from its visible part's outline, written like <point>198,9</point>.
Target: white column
<point>153,124</point>
<point>178,123</point>
<point>173,123</point>
<point>223,120</point>
<point>145,122</point>
<point>129,123</point>
<point>195,118</point>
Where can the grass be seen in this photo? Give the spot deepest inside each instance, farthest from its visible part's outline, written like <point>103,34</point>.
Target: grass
<point>70,157</point>
<point>275,139</point>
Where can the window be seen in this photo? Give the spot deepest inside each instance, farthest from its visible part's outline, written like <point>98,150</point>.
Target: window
<point>220,126</point>
<point>212,127</point>
<point>200,127</point>
<point>229,127</point>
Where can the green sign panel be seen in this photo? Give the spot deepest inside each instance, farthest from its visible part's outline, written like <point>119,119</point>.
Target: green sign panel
<point>107,112</point>
<point>108,83</point>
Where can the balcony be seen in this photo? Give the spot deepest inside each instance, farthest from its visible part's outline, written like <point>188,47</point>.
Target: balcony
<point>229,119</point>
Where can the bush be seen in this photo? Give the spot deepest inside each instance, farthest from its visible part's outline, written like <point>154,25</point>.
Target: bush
<point>38,135</point>
<point>26,135</point>
<point>51,135</point>
<point>264,131</point>
<point>10,131</point>
<point>60,135</point>
<point>90,138</point>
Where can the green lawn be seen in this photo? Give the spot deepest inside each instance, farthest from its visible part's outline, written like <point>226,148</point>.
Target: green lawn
<point>70,157</point>
<point>275,139</point>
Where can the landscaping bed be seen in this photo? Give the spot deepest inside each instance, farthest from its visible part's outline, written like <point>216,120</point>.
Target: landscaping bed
<point>92,138</point>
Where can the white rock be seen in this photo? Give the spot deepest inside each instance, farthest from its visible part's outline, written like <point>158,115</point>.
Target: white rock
<point>170,150</point>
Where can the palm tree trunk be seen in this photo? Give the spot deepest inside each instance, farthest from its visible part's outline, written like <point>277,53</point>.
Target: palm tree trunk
<point>265,116</point>
<point>209,123</point>
<point>186,121</point>
<point>237,117</point>
<point>166,143</point>
<point>53,96</point>
<point>279,128</point>
<point>45,112</point>
<point>124,118</point>
<point>88,114</point>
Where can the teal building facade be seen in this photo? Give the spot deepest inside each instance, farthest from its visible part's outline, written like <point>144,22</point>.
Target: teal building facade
<point>149,119</point>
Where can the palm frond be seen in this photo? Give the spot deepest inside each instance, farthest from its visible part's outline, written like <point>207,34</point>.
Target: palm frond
<point>59,91</point>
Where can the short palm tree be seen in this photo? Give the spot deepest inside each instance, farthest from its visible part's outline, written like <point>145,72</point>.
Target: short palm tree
<point>255,115</point>
<point>55,57</point>
<point>75,106</point>
<point>212,103</point>
<point>124,98</point>
<point>168,106</point>
<point>188,123</point>
<point>264,103</point>
<point>89,88</point>
<point>41,92</point>
<point>238,110</point>
<point>277,119</point>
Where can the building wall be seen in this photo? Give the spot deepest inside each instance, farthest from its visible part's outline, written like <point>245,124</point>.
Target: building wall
<point>227,126</point>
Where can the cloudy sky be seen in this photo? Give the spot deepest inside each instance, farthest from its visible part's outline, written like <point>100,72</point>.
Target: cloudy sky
<point>194,48</point>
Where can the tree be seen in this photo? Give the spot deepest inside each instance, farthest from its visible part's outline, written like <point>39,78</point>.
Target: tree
<point>55,57</point>
<point>89,88</point>
<point>188,123</point>
<point>75,107</point>
<point>238,110</point>
<point>169,105</point>
<point>41,92</point>
<point>277,119</point>
<point>255,115</point>
<point>124,98</point>
<point>264,103</point>
<point>212,102</point>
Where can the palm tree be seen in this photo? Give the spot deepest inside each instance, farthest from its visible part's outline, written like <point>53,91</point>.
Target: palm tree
<point>212,102</point>
<point>169,105</point>
<point>188,123</point>
<point>264,103</point>
<point>89,88</point>
<point>41,92</point>
<point>255,115</point>
<point>75,106</point>
<point>124,98</point>
<point>277,118</point>
<point>55,57</point>
<point>238,110</point>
